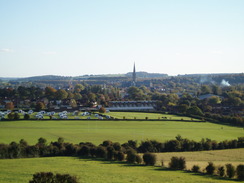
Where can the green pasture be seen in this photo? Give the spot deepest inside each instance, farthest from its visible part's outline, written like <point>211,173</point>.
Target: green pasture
<point>76,131</point>
<point>201,158</point>
<point>140,115</point>
<point>92,171</point>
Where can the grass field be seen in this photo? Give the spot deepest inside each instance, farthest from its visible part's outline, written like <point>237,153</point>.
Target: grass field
<point>201,158</point>
<point>139,115</point>
<point>91,171</point>
<point>117,131</point>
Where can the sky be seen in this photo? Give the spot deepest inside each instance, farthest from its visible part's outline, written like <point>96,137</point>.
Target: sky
<point>79,37</point>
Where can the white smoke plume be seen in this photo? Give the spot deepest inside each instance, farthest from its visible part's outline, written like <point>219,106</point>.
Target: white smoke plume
<point>225,83</point>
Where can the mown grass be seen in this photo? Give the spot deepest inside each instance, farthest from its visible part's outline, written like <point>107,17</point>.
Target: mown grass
<point>141,115</point>
<point>117,131</point>
<point>201,158</point>
<point>92,171</point>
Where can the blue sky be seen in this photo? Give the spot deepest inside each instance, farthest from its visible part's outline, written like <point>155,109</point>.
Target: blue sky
<point>78,37</point>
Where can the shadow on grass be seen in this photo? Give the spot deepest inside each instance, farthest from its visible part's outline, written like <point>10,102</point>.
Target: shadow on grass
<point>159,168</point>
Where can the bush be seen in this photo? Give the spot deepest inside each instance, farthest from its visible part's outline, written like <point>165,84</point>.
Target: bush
<point>84,151</point>
<point>138,159</point>
<point>102,110</point>
<point>101,152</point>
<point>42,177</point>
<point>120,156</point>
<point>131,157</point>
<point>230,170</point>
<point>177,163</point>
<point>26,116</point>
<point>210,168</point>
<point>221,171</point>
<point>195,169</point>
<point>240,172</point>
<point>149,159</point>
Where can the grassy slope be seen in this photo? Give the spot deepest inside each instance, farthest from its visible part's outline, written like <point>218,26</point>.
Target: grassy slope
<point>89,171</point>
<point>201,158</point>
<point>117,131</point>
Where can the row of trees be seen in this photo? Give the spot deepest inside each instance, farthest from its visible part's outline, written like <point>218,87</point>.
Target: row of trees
<point>108,149</point>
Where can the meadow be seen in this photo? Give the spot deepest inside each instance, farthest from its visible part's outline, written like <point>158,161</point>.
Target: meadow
<point>201,158</point>
<point>97,131</point>
<point>90,171</point>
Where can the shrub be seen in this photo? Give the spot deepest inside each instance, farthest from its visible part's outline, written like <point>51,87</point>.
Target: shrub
<point>42,177</point>
<point>26,116</point>
<point>149,159</point>
<point>240,172</point>
<point>120,156</point>
<point>131,157</point>
<point>221,171</point>
<point>102,110</point>
<point>101,152</point>
<point>177,163</point>
<point>138,159</point>
<point>195,169</point>
<point>230,170</point>
<point>210,168</point>
<point>84,151</point>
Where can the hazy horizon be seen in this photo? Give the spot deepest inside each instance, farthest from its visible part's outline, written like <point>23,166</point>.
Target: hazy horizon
<point>75,38</point>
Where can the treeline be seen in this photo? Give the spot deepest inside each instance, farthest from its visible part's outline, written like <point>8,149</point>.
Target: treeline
<point>110,150</point>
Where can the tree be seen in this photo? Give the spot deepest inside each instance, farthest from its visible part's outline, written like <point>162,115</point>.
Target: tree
<point>210,168</point>
<point>78,88</point>
<point>205,89</point>
<point>50,92</point>
<point>240,172</point>
<point>26,116</point>
<point>149,159</point>
<point>61,94</point>
<point>230,170</point>
<point>135,93</point>
<point>195,111</point>
<point>102,110</point>
<point>9,105</point>
<point>40,106</point>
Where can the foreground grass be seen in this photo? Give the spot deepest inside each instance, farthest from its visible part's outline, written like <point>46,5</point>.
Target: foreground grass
<point>91,171</point>
<point>117,131</point>
<point>201,158</point>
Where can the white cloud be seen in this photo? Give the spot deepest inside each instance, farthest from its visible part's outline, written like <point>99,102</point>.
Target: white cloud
<point>49,53</point>
<point>6,50</point>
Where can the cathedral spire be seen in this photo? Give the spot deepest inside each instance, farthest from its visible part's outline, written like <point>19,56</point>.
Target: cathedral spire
<point>134,75</point>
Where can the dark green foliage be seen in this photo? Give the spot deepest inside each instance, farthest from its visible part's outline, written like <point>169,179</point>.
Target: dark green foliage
<point>110,153</point>
<point>149,159</point>
<point>177,163</point>
<point>120,156</point>
<point>131,157</point>
<point>84,151</point>
<point>195,169</point>
<point>11,116</point>
<point>101,152</point>
<point>26,116</point>
<point>240,172</point>
<point>49,177</point>
<point>138,159</point>
<point>230,170</point>
<point>210,168</point>
<point>221,171</point>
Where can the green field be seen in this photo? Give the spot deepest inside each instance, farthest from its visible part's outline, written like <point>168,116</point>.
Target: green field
<point>117,131</point>
<point>201,158</point>
<point>91,171</point>
<point>96,131</point>
<point>140,115</point>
